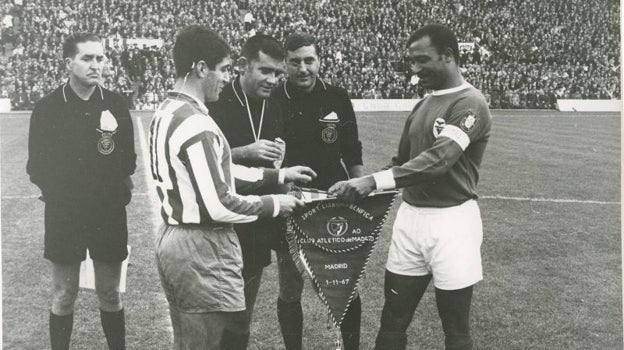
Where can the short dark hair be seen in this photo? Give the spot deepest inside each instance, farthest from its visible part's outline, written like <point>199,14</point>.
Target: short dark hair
<point>441,36</point>
<point>70,46</point>
<point>196,43</point>
<point>300,39</point>
<point>261,42</point>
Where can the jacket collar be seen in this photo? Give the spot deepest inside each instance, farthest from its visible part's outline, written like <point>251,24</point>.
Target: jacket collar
<point>290,90</point>
<point>69,93</point>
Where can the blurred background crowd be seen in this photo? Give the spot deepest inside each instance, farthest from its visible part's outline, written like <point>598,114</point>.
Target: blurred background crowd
<point>520,53</point>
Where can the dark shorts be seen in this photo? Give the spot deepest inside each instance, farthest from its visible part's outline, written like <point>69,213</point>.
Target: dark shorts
<point>71,229</point>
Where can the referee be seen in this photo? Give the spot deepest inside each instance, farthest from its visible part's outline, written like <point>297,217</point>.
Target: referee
<point>321,132</point>
<point>251,121</point>
<point>81,156</point>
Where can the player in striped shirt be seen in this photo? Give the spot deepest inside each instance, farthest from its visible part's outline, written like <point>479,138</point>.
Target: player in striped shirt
<point>437,232</point>
<point>198,253</point>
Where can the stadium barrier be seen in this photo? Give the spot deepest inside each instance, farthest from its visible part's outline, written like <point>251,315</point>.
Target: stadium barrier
<point>5,105</point>
<point>388,105</point>
<point>589,105</point>
<point>406,105</point>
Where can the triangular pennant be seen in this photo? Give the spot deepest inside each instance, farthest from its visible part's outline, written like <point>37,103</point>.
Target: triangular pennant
<point>334,241</point>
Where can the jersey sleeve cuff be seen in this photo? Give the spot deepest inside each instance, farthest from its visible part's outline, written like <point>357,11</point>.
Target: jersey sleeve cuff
<point>270,205</point>
<point>456,134</point>
<point>281,176</point>
<point>384,180</point>
<point>270,176</point>
<point>276,206</point>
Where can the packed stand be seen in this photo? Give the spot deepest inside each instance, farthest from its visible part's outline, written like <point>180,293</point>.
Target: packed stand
<point>521,54</point>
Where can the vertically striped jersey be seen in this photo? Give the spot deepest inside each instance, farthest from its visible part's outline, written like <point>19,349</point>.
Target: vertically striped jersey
<point>191,164</point>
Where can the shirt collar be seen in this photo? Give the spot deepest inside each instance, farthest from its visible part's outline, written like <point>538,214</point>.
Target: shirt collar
<point>289,90</point>
<point>69,93</point>
<point>464,85</point>
<point>189,98</point>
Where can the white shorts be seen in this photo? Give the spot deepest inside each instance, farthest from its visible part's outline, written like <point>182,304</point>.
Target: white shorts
<point>443,242</point>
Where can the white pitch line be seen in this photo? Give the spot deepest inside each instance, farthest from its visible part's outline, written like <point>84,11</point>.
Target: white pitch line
<point>154,202</point>
<point>498,197</point>
<point>151,194</point>
<point>549,200</point>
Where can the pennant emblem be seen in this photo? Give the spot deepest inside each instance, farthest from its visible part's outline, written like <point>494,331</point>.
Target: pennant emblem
<point>333,240</point>
<point>337,226</point>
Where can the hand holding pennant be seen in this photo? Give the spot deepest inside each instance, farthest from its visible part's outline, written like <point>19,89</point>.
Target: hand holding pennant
<point>334,240</point>
<point>354,189</point>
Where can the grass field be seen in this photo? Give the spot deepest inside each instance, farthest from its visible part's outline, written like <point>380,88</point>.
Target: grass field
<point>550,186</point>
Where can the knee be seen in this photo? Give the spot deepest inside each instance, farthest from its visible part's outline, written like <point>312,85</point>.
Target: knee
<point>110,299</point>
<point>63,300</point>
<point>395,316</point>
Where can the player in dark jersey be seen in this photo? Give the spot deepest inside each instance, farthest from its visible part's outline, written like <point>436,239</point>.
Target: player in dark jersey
<point>437,232</point>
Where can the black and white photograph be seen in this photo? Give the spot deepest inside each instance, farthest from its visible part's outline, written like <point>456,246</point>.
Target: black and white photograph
<point>311,174</point>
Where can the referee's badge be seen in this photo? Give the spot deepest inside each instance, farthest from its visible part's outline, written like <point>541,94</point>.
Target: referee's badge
<point>108,127</point>
<point>468,122</point>
<point>106,144</point>
<point>330,132</point>
<point>438,126</point>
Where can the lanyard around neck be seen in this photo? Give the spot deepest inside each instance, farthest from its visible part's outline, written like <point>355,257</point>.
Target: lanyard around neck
<point>253,128</point>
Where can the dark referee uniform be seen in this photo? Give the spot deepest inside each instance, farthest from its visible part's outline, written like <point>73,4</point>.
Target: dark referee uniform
<point>321,131</point>
<point>230,113</point>
<point>79,154</point>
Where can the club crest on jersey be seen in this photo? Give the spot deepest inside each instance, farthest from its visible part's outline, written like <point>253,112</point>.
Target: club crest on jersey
<point>106,144</point>
<point>438,126</point>
<point>468,122</point>
<point>337,226</point>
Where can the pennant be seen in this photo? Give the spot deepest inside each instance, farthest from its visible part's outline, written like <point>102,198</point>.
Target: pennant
<point>333,240</point>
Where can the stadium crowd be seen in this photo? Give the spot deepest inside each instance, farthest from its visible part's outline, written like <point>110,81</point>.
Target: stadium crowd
<point>521,54</point>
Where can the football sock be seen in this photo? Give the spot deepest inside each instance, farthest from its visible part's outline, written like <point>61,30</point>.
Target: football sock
<point>350,327</point>
<point>60,331</point>
<point>454,310</point>
<point>114,326</point>
<point>290,316</point>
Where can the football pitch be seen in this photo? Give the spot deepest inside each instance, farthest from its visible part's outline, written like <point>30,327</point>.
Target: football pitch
<point>550,202</point>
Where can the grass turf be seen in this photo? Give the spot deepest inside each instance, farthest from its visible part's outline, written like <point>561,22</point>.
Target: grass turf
<point>552,270</point>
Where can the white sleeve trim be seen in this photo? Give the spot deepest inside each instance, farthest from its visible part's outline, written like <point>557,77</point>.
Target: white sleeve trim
<point>276,206</point>
<point>456,134</point>
<point>281,176</point>
<point>247,174</point>
<point>384,180</point>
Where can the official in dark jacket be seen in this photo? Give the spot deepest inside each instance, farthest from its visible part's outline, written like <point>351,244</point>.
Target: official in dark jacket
<point>321,132</point>
<point>81,155</point>
<point>252,123</point>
